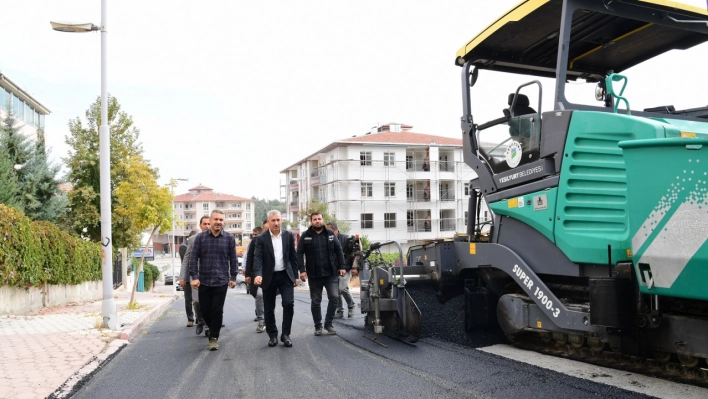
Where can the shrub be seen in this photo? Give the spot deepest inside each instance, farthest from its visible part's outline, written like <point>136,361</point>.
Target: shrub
<point>33,253</point>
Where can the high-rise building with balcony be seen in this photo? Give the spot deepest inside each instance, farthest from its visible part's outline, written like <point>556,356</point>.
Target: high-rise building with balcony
<point>389,184</point>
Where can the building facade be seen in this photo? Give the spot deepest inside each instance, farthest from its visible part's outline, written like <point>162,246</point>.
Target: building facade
<point>239,214</point>
<point>389,184</point>
<point>29,112</point>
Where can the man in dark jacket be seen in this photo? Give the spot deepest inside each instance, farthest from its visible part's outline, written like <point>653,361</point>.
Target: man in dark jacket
<point>346,278</point>
<point>323,264</point>
<point>248,274</point>
<point>275,269</point>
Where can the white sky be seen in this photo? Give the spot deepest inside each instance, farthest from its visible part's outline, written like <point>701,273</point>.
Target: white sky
<point>228,93</point>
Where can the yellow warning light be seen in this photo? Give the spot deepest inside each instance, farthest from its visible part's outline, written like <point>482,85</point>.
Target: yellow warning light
<point>380,281</point>
<point>473,249</point>
<point>629,253</point>
<point>539,324</point>
<point>687,134</point>
<point>513,203</point>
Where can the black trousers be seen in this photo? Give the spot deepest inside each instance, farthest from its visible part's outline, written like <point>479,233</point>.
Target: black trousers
<point>188,302</point>
<point>211,302</point>
<point>282,282</point>
<point>331,284</point>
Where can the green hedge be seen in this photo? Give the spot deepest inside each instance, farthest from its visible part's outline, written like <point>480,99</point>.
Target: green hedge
<point>32,253</point>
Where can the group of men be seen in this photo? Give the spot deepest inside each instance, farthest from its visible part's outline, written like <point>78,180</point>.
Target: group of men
<point>273,266</point>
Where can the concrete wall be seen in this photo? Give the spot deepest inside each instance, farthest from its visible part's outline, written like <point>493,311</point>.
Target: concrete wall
<point>19,301</point>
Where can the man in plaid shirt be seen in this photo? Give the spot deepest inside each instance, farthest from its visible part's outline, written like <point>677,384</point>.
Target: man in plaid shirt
<point>213,266</point>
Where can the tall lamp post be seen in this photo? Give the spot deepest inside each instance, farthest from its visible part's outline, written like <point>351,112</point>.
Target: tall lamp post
<point>173,182</point>
<point>110,316</point>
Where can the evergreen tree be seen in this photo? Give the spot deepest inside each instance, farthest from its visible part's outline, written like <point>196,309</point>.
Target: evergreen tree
<point>8,180</point>
<point>17,151</point>
<point>39,192</point>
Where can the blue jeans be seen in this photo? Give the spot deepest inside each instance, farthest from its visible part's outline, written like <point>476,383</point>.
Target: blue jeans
<point>331,284</point>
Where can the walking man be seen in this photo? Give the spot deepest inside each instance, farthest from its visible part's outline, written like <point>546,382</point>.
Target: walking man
<point>346,278</point>
<point>213,266</point>
<point>275,268</point>
<point>188,302</point>
<point>184,278</point>
<point>254,290</point>
<point>323,264</point>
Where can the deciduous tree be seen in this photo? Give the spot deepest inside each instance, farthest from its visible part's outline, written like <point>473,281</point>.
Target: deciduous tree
<point>141,200</point>
<point>84,171</point>
<point>316,206</point>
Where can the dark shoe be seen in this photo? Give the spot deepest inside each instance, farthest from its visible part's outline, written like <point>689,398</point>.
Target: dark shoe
<point>213,344</point>
<point>351,313</point>
<point>190,323</point>
<point>330,330</point>
<point>273,342</point>
<point>200,328</point>
<point>261,326</point>
<point>256,319</point>
<point>318,330</point>
<point>339,314</point>
<point>286,340</point>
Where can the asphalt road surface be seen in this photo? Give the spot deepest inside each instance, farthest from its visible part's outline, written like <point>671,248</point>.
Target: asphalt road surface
<point>167,360</point>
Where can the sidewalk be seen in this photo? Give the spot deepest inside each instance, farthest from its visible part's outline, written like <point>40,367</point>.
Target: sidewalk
<point>48,352</point>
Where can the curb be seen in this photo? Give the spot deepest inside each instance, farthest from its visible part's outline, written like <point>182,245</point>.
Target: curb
<point>129,332</point>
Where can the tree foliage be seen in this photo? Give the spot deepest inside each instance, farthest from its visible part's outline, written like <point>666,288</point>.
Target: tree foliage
<point>143,202</point>
<point>8,180</point>
<point>263,206</point>
<point>29,180</point>
<point>84,171</point>
<point>316,206</point>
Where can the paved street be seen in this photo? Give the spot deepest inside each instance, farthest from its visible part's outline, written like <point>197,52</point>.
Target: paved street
<point>168,360</point>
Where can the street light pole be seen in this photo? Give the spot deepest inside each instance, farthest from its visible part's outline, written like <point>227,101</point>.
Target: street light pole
<point>110,316</point>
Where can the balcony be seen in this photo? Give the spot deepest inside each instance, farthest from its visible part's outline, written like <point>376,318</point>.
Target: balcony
<point>447,195</point>
<point>426,226</point>
<point>294,185</point>
<point>294,206</point>
<point>418,195</point>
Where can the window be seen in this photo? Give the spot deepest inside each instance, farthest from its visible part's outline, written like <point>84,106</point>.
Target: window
<point>180,206</point>
<point>367,190</point>
<point>248,215</point>
<point>409,162</point>
<point>205,206</point>
<point>365,158</point>
<point>389,189</point>
<point>367,220</point>
<point>389,158</point>
<point>248,206</point>
<point>390,220</point>
<point>180,217</point>
<point>467,189</point>
<point>235,226</point>
<point>20,109</point>
<point>3,99</point>
<point>219,204</point>
<point>236,205</point>
<point>466,218</point>
<point>409,191</point>
<point>248,225</point>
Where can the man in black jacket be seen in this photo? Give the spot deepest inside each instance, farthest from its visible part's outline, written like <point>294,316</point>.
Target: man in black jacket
<point>275,268</point>
<point>344,294</point>
<point>323,264</point>
<point>248,274</point>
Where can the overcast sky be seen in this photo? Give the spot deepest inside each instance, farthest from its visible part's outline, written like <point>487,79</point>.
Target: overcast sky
<point>228,93</point>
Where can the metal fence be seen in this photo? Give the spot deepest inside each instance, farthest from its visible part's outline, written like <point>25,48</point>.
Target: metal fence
<point>117,272</point>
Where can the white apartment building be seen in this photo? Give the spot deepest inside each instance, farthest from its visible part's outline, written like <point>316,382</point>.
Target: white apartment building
<point>29,112</point>
<point>389,184</point>
<point>239,214</point>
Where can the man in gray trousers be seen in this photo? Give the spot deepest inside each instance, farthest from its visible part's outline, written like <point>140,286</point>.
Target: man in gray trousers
<point>184,278</point>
